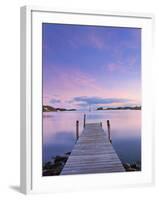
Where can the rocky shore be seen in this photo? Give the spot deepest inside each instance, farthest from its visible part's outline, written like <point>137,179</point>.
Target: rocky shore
<point>55,166</point>
<point>52,109</point>
<point>132,167</point>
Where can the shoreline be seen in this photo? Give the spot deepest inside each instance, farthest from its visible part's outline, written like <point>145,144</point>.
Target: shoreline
<point>47,108</point>
<point>56,164</point>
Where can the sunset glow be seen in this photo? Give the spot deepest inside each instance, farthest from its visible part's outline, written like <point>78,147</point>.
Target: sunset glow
<point>91,66</point>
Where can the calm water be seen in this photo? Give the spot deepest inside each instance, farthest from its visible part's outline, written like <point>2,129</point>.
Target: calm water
<point>59,132</point>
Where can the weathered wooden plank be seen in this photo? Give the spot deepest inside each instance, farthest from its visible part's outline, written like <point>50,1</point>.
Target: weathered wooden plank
<point>93,153</point>
<point>95,166</point>
<point>104,163</point>
<point>94,171</point>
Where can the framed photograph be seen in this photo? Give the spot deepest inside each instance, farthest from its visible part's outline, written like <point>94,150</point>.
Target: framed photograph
<point>86,100</point>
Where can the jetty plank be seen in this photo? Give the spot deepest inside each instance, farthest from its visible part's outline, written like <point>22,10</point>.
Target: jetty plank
<point>92,153</point>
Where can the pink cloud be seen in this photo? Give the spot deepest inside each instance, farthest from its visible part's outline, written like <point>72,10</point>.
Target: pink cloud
<point>112,67</point>
<point>122,65</point>
<point>96,41</point>
<point>91,39</point>
<point>66,84</point>
<point>71,83</point>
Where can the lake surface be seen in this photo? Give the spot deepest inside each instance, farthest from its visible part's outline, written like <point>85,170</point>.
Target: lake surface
<point>59,132</point>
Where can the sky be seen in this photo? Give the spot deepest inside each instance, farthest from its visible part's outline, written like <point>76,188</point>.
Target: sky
<point>91,66</point>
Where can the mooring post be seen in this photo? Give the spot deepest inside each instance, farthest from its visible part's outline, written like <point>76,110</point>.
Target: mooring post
<point>77,130</point>
<point>84,121</point>
<point>108,125</point>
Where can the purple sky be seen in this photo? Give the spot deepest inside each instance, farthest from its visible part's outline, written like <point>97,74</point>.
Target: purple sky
<point>91,65</point>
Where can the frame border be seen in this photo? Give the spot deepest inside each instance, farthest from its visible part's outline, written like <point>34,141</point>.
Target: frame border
<point>26,83</point>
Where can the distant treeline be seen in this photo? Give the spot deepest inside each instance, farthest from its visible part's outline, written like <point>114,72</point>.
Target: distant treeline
<point>121,108</point>
<point>52,109</point>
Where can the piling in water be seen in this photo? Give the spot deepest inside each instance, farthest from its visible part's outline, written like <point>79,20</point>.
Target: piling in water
<point>84,121</point>
<point>108,126</point>
<point>77,130</point>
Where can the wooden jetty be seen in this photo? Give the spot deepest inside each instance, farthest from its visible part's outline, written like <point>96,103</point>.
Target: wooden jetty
<point>92,153</point>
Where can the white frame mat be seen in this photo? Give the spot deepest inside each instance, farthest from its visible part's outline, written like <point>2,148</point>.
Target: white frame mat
<point>31,100</point>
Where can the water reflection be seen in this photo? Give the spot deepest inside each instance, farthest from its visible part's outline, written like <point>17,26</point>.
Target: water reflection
<point>59,132</point>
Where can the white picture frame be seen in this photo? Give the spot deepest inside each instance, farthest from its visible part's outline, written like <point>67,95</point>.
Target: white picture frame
<point>31,77</point>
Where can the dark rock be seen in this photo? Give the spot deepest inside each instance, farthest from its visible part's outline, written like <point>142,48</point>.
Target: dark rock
<point>130,169</point>
<point>48,165</point>
<point>68,153</point>
<point>126,165</point>
<point>55,166</point>
<point>61,158</point>
<point>52,161</point>
<point>134,165</point>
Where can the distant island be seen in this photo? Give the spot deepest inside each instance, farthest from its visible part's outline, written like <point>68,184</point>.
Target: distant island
<point>121,108</point>
<point>52,109</point>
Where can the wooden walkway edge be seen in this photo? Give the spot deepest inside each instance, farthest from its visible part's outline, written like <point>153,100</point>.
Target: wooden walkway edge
<point>93,153</point>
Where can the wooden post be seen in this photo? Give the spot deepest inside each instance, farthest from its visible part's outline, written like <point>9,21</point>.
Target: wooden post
<point>101,124</point>
<point>108,125</point>
<point>84,121</point>
<point>77,130</point>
